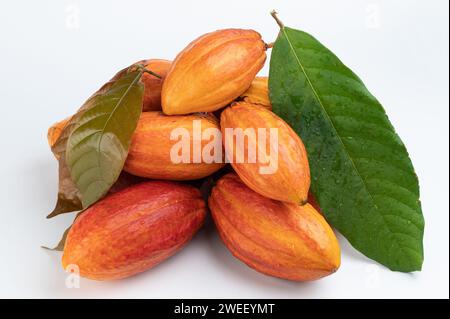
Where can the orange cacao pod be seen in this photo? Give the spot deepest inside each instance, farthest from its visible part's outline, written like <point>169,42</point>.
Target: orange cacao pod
<point>258,93</point>
<point>278,239</point>
<point>133,230</point>
<point>213,71</point>
<point>151,147</point>
<point>153,85</point>
<point>289,178</point>
<point>55,131</point>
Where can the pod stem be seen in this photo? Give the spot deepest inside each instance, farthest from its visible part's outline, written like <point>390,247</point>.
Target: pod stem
<point>274,14</point>
<point>269,45</point>
<point>143,69</point>
<point>152,73</point>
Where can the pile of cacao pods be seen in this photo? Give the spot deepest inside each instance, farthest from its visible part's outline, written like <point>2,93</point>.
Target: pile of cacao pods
<point>268,221</point>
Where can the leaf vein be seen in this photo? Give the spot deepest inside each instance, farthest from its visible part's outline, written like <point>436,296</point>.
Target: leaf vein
<point>315,93</point>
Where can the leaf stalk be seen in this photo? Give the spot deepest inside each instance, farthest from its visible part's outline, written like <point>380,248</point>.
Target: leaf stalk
<point>274,14</point>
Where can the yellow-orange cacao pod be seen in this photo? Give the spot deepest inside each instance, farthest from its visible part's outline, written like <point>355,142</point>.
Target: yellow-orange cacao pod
<point>213,71</point>
<point>258,93</point>
<point>152,84</point>
<point>275,238</point>
<point>152,149</point>
<point>286,177</point>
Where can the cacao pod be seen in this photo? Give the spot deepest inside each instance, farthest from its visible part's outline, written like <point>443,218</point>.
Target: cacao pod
<point>151,148</point>
<point>258,93</point>
<point>133,230</point>
<point>153,85</point>
<point>55,131</point>
<point>288,179</point>
<point>213,71</point>
<point>151,98</point>
<point>278,239</point>
<point>125,180</point>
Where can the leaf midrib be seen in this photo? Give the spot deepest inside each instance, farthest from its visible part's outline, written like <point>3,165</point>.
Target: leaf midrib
<point>102,131</point>
<point>316,95</point>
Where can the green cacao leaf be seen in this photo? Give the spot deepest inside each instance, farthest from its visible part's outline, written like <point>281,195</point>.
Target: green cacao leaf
<point>99,141</point>
<point>361,173</point>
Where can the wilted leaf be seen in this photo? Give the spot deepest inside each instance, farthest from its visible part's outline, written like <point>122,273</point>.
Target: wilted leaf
<point>62,241</point>
<point>69,197</point>
<point>98,144</point>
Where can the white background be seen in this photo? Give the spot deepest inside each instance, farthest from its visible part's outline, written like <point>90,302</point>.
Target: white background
<point>54,54</point>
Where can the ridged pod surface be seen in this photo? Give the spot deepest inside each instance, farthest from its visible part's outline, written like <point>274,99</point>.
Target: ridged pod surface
<point>213,71</point>
<point>258,92</point>
<point>152,84</point>
<point>289,180</point>
<point>133,230</point>
<point>275,238</point>
<point>150,151</point>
